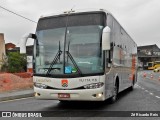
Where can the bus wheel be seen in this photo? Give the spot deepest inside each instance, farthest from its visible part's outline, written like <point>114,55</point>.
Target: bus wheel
<point>115,94</point>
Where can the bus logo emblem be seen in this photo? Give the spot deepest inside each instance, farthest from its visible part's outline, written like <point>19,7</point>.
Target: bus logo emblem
<point>64,83</point>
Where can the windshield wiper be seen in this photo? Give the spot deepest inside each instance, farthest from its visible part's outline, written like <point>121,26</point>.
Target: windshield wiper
<point>68,53</point>
<point>74,63</point>
<point>57,57</point>
<point>60,52</point>
<point>71,58</point>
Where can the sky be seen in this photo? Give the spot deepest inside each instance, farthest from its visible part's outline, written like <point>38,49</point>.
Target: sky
<point>140,18</point>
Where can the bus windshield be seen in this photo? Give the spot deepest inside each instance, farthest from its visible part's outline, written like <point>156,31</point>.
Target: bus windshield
<point>82,43</point>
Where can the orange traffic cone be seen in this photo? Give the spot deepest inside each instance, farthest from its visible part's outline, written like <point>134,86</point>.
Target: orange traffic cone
<point>151,76</point>
<point>144,74</point>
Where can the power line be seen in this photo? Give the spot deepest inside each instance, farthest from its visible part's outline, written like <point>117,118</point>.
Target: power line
<point>17,14</point>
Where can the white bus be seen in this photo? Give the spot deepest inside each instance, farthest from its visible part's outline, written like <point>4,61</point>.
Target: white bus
<point>82,56</point>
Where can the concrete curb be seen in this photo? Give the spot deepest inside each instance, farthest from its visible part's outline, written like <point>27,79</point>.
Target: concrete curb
<point>16,95</point>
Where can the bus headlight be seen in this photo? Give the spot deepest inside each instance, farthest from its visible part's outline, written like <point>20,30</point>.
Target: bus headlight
<point>40,85</point>
<point>94,85</point>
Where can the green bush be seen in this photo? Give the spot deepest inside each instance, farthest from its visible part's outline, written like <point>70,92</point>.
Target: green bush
<point>4,67</point>
<point>16,62</point>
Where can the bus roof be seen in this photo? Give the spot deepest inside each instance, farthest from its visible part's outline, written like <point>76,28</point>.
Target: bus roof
<point>75,11</point>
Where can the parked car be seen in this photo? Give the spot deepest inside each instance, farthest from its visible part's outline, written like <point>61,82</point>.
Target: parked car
<point>157,69</point>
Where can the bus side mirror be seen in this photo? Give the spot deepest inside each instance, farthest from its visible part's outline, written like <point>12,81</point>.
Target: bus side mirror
<point>24,41</point>
<point>106,38</point>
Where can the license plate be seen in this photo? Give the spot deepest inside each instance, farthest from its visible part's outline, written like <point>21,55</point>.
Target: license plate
<point>63,95</point>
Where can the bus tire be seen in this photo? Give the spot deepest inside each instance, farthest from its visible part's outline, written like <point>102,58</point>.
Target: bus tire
<point>115,93</point>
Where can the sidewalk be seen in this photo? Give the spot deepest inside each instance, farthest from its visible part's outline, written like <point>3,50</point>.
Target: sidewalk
<point>16,94</point>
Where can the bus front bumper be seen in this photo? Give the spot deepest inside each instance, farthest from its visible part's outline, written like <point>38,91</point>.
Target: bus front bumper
<point>70,95</point>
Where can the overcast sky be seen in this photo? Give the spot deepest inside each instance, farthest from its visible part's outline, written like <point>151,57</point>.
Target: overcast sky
<point>140,18</point>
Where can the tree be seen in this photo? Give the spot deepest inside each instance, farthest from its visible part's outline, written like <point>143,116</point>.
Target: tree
<point>16,62</point>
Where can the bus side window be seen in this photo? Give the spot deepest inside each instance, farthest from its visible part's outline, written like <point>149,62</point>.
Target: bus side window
<point>108,58</point>
<point>111,55</point>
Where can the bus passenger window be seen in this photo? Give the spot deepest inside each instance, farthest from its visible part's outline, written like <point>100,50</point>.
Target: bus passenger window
<point>108,59</point>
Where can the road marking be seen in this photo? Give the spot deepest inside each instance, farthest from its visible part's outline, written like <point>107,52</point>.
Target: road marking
<point>157,97</point>
<point>146,91</point>
<point>137,86</point>
<point>15,99</point>
<point>151,93</point>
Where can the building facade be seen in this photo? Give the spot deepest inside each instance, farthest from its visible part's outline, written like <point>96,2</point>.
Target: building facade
<point>2,50</point>
<point>149,53</point>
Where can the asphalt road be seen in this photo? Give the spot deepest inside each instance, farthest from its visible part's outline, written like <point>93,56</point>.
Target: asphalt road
<point>144,98</point>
